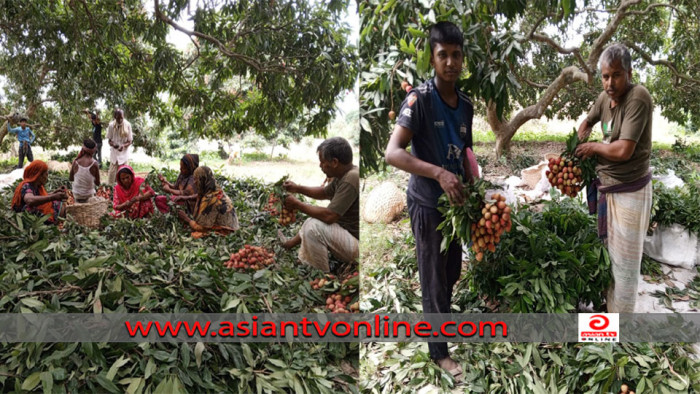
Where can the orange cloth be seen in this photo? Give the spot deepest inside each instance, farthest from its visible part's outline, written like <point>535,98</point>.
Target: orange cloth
<point>31,173</point>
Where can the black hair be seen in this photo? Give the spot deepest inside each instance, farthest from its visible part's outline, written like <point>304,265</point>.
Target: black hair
<point>89,143</point>
<point>445,33</point>
<point>23,119</point>
<point>336,148</point>
<point>93,116</point>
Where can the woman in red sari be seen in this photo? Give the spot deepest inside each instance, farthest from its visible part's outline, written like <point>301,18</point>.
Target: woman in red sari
<point>132,195</point>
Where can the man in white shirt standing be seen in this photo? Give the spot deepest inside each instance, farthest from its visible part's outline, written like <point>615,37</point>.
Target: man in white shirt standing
<point>120,138</point>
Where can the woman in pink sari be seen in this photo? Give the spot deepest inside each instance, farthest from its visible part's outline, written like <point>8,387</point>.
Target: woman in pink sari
<point>132,195</point>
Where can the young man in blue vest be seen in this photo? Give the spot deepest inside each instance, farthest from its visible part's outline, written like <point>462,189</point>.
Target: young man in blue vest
<point>436,119</point>
<point>26,137</point>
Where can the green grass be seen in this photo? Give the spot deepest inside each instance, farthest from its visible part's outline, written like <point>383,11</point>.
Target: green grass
<point>261,156</point>
<point>8,165</point>
<point>523,135</point>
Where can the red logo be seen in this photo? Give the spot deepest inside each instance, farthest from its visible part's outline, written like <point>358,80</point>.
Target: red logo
<point>411,99</point>
<point>598,322</point>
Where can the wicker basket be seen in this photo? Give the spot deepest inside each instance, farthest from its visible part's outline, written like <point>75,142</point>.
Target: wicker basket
<point>532,175</point>
<point>89,213</point>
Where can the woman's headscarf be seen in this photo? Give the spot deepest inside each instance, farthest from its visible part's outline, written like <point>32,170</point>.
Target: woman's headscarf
<point>211,197</point>
<point>205,179</point>
<point>191,162</point>
<point>31,173</point>
<point>123,193</point>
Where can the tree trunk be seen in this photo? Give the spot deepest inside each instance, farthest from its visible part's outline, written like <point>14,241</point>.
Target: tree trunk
<point>272,151</point>
<point>3,131</point>
<point>503,137</point>
<point>505,129</point>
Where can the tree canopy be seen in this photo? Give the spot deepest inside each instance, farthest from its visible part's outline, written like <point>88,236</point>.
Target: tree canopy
<point>525,59</point>
<point>251,65</point>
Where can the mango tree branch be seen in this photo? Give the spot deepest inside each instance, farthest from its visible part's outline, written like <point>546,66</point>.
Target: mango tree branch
<point>222,48</point>
<point>600,42</point>
<point>567,76</point>
<point>661,62</point>
<point>650,7</point>
<point>576,51</point>
<point>506,130</point>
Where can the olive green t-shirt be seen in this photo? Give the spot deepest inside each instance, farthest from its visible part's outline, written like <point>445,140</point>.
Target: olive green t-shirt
<point>629,120</point>
<point>344,193</point>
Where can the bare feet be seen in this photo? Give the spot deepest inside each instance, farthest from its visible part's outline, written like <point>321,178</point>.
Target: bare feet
<point>451,366</point>
<point>288,243</point>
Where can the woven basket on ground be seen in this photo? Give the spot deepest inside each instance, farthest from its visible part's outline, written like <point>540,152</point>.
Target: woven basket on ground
<point>89,213</point>
<point>383,204</point>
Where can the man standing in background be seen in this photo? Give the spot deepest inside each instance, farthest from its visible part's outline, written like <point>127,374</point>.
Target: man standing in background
<point>120,138</point>
<point>96,136</point>
<point>26,137</point>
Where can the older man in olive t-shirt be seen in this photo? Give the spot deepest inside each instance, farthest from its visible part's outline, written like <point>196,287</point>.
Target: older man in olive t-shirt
<point>625,111</point>
<point>335,228</point>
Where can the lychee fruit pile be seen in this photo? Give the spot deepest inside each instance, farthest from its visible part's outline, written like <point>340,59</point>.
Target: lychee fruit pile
<point>338,303</point>
<point>250,257</point>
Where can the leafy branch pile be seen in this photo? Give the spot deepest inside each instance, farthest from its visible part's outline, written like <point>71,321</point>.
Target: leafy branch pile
<point>567,172</point>
<point>677,205</point>
<point>154,266</point>
<point>534,368</point>
<point>562,243</point>
<point>551,261</point>
<point>390,281</point>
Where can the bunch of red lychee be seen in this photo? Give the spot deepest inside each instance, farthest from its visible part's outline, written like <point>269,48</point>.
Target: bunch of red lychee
<point>286,216</point>
<point>565,175</point>
<point>486,233</point>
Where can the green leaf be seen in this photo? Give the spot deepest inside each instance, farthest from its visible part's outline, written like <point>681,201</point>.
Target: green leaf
<point>676,385</point>
<point>165,386</point>
<point>121,361</point>
<point>247,354</point>
<point>47,381</point>
<point>365,125</point>
<point>185,354</point>
<point>32,381</point>
<point>276,362</point>
<point>198,350</point>
<point>417,33</point>
<point>150,368</point>
<point>232,303</point>
<point>107,384</point>
<point>84,266</point>
<point>33,302</point>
